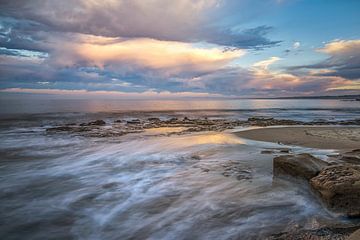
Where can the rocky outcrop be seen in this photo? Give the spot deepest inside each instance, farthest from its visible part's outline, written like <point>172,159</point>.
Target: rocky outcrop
<point>303,166</point>
<point>123,126</point>
<point>339,188</point>
<point>263,121</point>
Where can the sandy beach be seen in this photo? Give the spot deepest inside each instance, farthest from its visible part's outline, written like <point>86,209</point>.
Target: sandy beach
<point>341,138</point>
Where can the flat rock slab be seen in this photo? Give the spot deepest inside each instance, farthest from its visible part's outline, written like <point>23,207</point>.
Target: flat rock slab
<point>339,188</point>
<point>302,165</point>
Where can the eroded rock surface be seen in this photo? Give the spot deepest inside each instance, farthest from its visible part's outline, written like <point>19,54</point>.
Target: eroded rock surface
<point>339,188</point>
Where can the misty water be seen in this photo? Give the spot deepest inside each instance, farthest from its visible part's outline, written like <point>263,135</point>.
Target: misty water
<point>209,185</point>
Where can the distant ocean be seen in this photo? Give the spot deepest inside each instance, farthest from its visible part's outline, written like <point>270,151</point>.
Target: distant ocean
<point>301,109</point>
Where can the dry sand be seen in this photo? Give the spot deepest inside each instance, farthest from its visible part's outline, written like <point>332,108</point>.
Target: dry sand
<point>341,138</point>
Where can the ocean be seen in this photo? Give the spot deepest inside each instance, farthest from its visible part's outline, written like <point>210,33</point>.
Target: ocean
<point>149,185</point>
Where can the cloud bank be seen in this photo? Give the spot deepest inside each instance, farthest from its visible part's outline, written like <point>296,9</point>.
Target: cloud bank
<point>136,47</point>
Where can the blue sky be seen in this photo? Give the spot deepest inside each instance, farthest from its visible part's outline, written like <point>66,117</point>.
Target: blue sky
<point>185,48</point>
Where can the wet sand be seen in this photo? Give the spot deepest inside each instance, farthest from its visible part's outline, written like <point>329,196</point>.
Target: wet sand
<point>340,138</point>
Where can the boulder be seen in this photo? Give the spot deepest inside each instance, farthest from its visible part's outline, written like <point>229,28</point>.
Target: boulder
<point>339,188</point>
<point>302,165</point>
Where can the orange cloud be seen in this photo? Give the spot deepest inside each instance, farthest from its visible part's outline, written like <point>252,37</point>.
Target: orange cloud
<point>143,52</point>
<point>83,92</point>
<point>341,47</point>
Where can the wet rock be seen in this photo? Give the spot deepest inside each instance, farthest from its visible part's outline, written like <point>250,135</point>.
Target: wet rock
<point>352,157</point>
<point>356,151</point>
<point>109,185</point>
<point>235,169</point>
<point>94,123</point>
<point>267,152</point>
<point>263,122</point>
<point>349,122</point>
<point>274,151</point>
<point>154,119</point>
<point>284,150</point>
<point>250,119</point>
<point>59,129</point>
<point>339,188</point>
<point>325,233</point>
<point>173,120</point>
<point>301,166</point>
<point>196,157</point>
<point>134,121</point>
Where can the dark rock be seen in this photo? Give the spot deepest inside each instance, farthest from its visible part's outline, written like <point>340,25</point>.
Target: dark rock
<point>134,121</point>
<point>187,120</point>
<point>59,129</point>
<point>97,123</point>
<point>173,120</point>
<point>250,119</point>
<point>325,233</point>
<point>196,157</point>
<point>302,166</point>
<point>356,151</point>
<point>235,169</point>
<point>285,150</point>
<point>339,188</point>
<point>352,157</point>
<point>109,185</point>
<point>94,123</point>
<point>267,152</point>
<point>154,119</point>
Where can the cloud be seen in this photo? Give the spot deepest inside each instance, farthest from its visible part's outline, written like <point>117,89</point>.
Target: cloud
<point>185,20</point>
<point>296,45</point>
<point>344,60</point>
<point>110,94</point>
<point>264,65</point>
<point>156,46</point>
<point>169,56</point>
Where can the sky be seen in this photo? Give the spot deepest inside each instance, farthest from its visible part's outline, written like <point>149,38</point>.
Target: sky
<point>180,48</point>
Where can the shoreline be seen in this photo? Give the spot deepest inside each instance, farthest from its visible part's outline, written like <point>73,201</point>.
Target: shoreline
<point>322,137</point>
